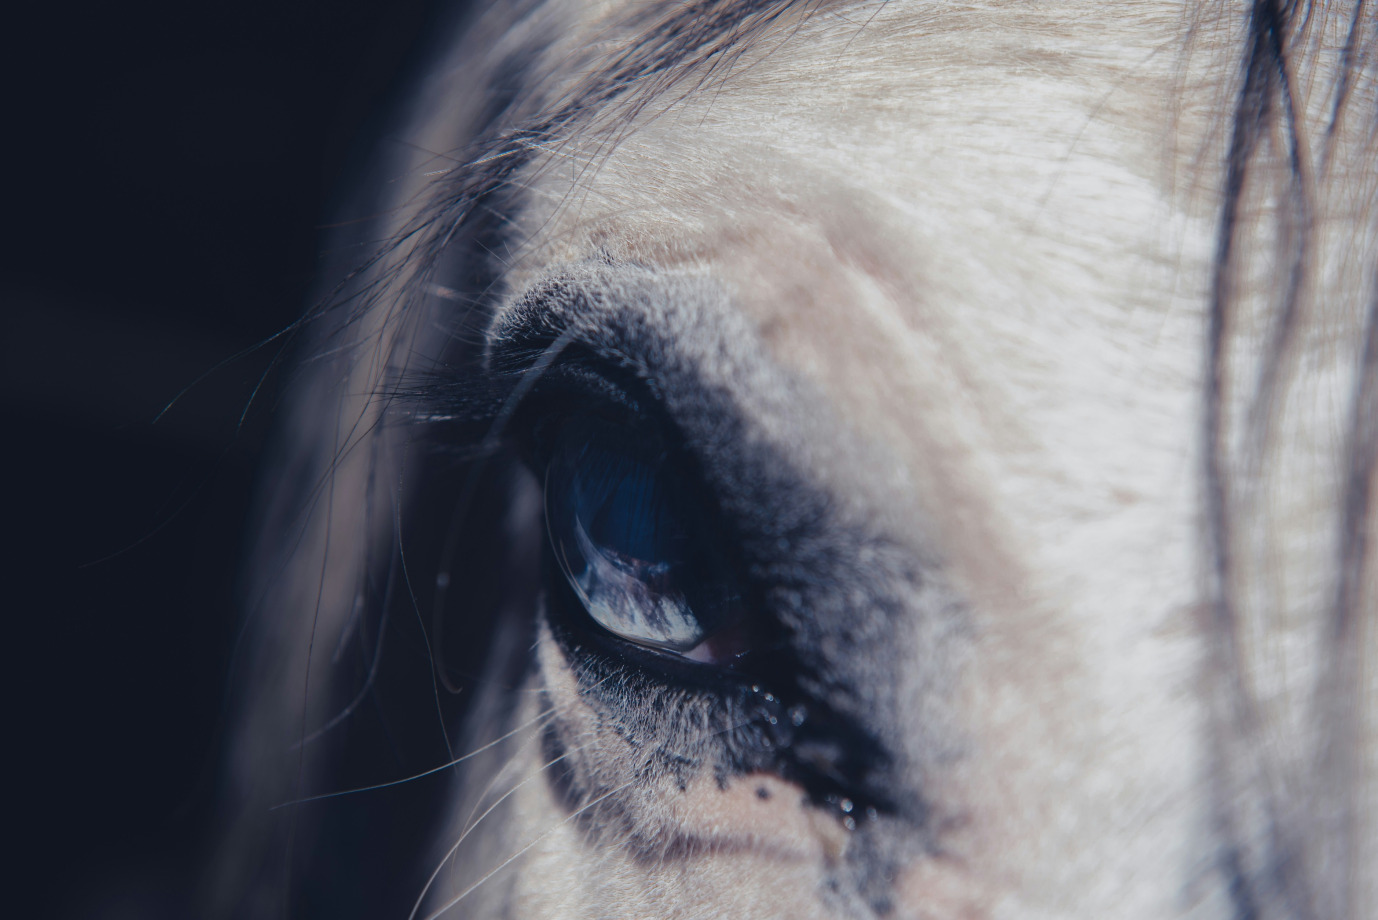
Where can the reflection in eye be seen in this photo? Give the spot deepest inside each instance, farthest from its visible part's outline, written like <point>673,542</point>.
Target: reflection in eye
<point>628,542</point>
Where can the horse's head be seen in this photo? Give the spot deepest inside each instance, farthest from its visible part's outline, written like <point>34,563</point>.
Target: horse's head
<point>881,459</point>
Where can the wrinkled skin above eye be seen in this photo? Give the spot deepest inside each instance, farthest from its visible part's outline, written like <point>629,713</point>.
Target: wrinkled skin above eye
<point>627,537</point>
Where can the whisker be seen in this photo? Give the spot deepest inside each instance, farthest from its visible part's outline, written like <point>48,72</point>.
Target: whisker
<point>445,766</point>
<point>540,771</point>
<point>509,860</point>
<point>471,824</point>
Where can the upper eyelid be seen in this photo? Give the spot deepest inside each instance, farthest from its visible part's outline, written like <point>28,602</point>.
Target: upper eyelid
<point>493,387</point>
<point>595,330</point>
<point>522,344</point>
<point>703,390</point>
<point>593,356</point>
<point>576,374</point>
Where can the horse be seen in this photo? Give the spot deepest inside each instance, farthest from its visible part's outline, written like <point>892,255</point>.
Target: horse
<point>832,458</point>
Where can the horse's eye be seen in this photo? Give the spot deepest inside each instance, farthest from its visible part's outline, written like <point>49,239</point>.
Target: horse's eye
<point>630,538</point>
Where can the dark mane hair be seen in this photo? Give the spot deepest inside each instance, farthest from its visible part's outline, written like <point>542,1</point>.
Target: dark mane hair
<point>1299,854</point>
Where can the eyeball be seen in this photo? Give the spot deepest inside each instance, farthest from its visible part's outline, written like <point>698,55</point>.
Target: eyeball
<point>624,530</point>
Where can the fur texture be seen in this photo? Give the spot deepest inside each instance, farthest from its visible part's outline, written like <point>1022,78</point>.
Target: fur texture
<point>1027,356</point>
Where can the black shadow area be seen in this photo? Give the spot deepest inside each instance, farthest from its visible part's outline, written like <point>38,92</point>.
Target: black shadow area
<point>168,167</point>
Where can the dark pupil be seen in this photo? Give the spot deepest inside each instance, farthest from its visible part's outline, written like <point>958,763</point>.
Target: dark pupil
<point>624,539</point>
<point>626,510</point>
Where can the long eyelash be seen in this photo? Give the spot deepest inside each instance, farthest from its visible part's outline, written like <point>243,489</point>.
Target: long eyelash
<point>452,397</point>
<point>476,410</point>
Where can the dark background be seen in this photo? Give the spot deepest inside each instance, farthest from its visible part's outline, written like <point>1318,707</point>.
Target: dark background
<point>168,171</point>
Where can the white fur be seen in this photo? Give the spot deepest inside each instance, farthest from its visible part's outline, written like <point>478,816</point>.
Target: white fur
<point>967,225</point>
<point>985,232</point>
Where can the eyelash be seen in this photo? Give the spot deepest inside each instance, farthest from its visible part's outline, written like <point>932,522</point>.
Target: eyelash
<point>783,727</point>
